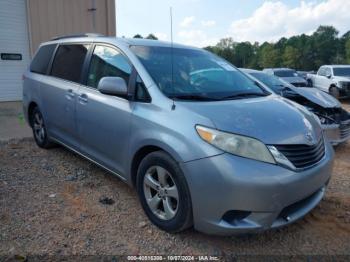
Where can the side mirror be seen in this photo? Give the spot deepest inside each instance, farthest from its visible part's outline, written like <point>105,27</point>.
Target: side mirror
<point>115,86</point>
<point>328,75</point>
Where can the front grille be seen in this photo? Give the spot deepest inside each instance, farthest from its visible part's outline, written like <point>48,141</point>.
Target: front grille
<point>303,156</point>
<point>344,130</point>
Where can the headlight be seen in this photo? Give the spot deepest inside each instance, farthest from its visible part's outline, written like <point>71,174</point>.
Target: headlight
<point>236,144</point>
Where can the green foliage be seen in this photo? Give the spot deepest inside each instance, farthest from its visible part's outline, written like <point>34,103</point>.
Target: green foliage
<point>301,52</point>
<point>150,36</point>
<point>137,36</point>
<point>347,51</point>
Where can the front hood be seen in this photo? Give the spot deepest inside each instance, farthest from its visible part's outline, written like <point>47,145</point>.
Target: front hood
<point>294,79</point>
<point>272,119</point>
<point>316,96</point>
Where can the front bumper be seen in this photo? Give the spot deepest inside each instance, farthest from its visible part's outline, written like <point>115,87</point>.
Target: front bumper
<point>271,196</point>
<point>337,133</point>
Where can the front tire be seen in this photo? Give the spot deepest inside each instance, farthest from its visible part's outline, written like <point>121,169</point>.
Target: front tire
<point>334,91</point>
<point>39,129</point>
<point>164,193</point>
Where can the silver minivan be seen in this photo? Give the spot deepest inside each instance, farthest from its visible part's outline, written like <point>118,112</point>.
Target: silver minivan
<point>202,143</point>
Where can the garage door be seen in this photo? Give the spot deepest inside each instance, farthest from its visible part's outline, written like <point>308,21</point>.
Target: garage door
<point>14,48</point>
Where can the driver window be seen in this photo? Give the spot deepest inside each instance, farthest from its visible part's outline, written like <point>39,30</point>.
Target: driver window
<point>107,61</point>
<point>327,71</point>
<point>321,72</point>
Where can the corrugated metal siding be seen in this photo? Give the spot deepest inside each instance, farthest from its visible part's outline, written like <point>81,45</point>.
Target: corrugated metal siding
<point>13,39</point>
<point>49,18</point>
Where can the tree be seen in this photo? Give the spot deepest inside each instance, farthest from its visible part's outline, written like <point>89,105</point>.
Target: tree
<point>137,36</point>
<point>225,43</point>
<point>291,57</point>
<point>303,52</point>
<point>243,54</point>
<point>325,44</point>
<point>347,51</point>
<point>269,56</point>
<point>152,37</point>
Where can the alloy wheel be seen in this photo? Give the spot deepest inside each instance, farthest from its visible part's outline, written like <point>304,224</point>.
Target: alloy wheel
<point>161,192</point>
<point>39,127</point>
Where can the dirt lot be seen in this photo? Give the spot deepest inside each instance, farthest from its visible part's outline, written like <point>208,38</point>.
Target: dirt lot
<point>49,204</point>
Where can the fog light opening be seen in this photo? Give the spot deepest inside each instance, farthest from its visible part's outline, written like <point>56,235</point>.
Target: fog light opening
<point>235,216</point>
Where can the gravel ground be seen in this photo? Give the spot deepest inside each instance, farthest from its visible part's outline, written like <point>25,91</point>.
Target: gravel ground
<point>50,204</point>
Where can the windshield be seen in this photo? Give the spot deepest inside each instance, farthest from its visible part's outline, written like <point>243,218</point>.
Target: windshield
<point>341,71</point>
<point>191,74</point>
<point>271,81</point>
<point>285,73</point>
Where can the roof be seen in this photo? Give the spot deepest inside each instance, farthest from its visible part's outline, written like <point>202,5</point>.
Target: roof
<point>249,71</point>
<point>280,69</point>
<point>337,66</point>
<point>116,40</point>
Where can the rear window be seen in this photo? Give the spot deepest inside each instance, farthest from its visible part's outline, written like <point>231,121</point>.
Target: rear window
<point>68,62</point>
<point>42,59</point>
<point>285,73</point>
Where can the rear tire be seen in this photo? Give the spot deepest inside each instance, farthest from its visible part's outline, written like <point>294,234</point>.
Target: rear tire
<point>163,192</point>
<point>334,91</point>
<point>39,129</point>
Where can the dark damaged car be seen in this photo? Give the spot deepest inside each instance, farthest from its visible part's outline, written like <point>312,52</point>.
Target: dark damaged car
<point>334,119</point>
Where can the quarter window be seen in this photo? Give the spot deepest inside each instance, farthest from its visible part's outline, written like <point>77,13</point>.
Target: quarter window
<point>141,93</point>
<point>69,61</point>
<point>42,59</point>
<point>107,61</point>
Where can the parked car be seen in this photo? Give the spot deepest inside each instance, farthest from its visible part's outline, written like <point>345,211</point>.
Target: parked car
<point>304,74</point>
<point>288,75</point>
<point>334,119</point>
<point>333,79</point>
<point>222,154</point>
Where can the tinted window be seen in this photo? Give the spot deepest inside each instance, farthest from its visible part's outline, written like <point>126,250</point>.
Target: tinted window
<point>42,59</point>
<point>107,61</point>
<point>68,62</point>
<point>341,71</point>
<point>182,72</point>
<point>285,73</point>
<point>273,82</point>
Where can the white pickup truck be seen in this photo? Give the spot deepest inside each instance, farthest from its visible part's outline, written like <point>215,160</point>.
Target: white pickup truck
<point>334,79</point>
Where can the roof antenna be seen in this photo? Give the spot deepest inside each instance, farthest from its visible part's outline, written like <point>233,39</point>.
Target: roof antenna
<point>172,55</point>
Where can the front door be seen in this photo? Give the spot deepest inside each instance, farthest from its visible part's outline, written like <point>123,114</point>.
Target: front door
<point>103,121</point>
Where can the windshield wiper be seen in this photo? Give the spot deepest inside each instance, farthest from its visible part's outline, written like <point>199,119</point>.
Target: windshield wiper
<point>244,95</point>
<point>193,97</point>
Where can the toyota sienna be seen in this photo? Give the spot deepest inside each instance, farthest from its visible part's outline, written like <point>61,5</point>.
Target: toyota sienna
<point>202,143</point>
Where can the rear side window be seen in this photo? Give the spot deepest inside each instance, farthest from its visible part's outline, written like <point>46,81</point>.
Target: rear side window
<point>68,62</point>
<point>42,59</point>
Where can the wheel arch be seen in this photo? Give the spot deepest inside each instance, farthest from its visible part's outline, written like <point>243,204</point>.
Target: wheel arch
<point>31,107</point>
<point>142,152</point>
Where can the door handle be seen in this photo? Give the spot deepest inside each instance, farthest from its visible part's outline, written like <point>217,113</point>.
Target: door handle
<point>70,94</point>
<point>83,98</point>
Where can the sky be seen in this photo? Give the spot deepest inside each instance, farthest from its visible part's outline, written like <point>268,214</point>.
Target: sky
<point>204,22</point>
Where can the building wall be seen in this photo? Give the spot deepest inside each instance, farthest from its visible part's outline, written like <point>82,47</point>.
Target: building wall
<point>13,40</point>
<point>49,18</point>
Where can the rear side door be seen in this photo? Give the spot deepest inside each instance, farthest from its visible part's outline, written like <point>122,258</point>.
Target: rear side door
<point>103,121</point>
<point>59,92</point>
